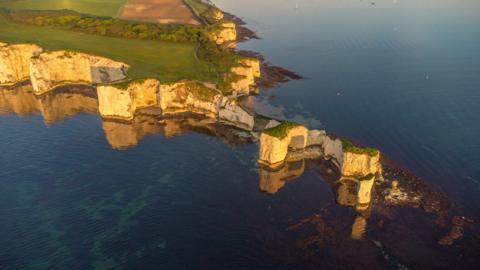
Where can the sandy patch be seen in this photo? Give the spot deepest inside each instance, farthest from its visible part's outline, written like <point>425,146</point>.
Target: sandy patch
<point>158,11</point>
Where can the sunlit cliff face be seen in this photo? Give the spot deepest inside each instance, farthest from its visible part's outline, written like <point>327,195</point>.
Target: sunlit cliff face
<point>50,69</point>
<point>68,101</point>
<point>147,119</point>
<point>15,62</point>
<point>135,109</point>
<point>302,147</point>
<point>119,98</point>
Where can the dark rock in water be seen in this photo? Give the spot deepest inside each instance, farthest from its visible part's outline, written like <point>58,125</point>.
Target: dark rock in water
<point>243,33</point>
<point>445,241</point>
<point>461,221</point>
<point>426,196</point>
<point>381,223</point>
<point>456,232</point>
<point>271,75</point>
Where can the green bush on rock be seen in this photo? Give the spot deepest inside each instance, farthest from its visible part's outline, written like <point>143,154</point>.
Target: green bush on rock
<point>281,131</point>
<point>348,146</point>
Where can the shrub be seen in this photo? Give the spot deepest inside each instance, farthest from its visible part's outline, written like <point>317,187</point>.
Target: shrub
<point>348,146</point>
<point>281,131</point>
<point>140,28</point>
<point>67,19</point>
<point>101,30</point>
<point>366,177</point>
<point>130,34</point>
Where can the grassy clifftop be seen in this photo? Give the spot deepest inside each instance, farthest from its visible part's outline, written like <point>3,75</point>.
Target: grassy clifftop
<point>108,8</point>
<point>281,131</point>
<point>348,146</point>
<point>168,52</point>
<point>167,61</point>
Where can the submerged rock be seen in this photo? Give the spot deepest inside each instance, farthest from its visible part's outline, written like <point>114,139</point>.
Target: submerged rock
<point>359,228</point>
<point>445,241</point>
<point>461,221</point>
<point>456,232</point>
<point>398,196</point>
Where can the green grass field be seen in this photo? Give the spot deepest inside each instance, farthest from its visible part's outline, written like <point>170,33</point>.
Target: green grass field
<point>167,61</point>
<point>200,10</point>
<point>108,8</point>
<point>197,6</point>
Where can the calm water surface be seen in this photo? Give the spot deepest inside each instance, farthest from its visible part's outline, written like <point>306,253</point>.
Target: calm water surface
<point>403,76</point>
<point>400,75</point>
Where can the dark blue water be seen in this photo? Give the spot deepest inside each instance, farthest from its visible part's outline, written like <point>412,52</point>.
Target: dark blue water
<point>69,201</point>
<point>403,76</point>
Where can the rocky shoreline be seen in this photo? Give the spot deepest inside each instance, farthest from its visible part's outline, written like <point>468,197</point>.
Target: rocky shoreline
<point>120,100</point>
<point>362,178</point>
<point>243,32</point>
<point>372,186</point>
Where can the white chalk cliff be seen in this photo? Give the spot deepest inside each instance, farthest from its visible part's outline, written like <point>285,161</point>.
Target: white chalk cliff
<point>232,113</point>
<point>122,101</point>
<point>358,165</point>
<point>189,97</point>
<point>49,70</point>
<point>275,148</point>
<point>119,103</point>
<point>225,33</point>
<point>246,72</point>
<point>15,62</point>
